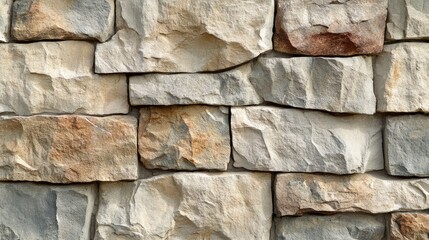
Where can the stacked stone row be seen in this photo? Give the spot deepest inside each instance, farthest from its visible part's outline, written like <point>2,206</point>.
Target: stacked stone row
<point>217,119</point>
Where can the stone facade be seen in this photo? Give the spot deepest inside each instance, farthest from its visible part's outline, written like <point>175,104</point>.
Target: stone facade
<point>214,119</point>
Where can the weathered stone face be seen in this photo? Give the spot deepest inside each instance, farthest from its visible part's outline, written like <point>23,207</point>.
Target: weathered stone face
<point>64,149</point>
<point>186,35</point>
<point>344,226</point>
<point>226,88</point>
<point>292,140</point>
<point>5,12</point>
<point>406,142</point>
<point>332,27</point>
<point>49,212</point>
<point>409,226</point>
<point>299,193</point>
<point>407,19</point>
<point>188,138</point>
<point>187,206</point>
<point>330,84</point>
<point>52,19</point>
<point>401,78</point>
<point>56,77</point>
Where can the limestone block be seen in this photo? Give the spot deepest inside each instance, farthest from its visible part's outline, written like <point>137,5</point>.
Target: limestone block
<point>186,35</point>
<point>228,88</point>
<point>299,193</point>
<point>409,226</point>
<point>187,206</point>
<point>53,19</point>
<point>343,226</point>
<point>330,84</point>
<point>186,138</point>
<point>406,143</point>
<point>293,140</point>
<point>63,149</point>
<point>5,13</point>
<point>330,27</point>
<point>56,77</point>
<point>407,19</point>
<point>401,79</point>
<point>49,212</point>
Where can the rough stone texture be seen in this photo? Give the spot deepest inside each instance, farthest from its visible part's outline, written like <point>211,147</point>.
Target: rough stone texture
<point>409,226</point>
<point>406,143</point>
<point>5,12</point>
<point>299,193</point>
<point>330,84</point>
<point>227,88</point>
<point>331,27</point>
<point>49,212</point>
<point>344,226</point>
<point>401,78</point>
<point>187,206</point>
<point>56,77</point>
<point>292,140</point>
<point>68,148</point>
<point>186,35</point>
<point>189,137</point>
<point>52,19</point>
<point>407,19</point>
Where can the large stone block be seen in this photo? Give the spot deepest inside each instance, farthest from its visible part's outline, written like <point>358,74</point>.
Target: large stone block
<point>409,226</point>
<point>406,143</point>
<point>226,88</point>
<point>401,78</point>
<point>407,19</point>
<point>330,84</point>
<point>299,193</point>
<point>330,27</point>
<point>343,226</point>
<point>293,140</point>
<point>187,206</point>
<point>188,138</point>
<point>5,13</point>
<point>57,77</point>
<point>186,35</point>
<point>66,149</point>
<point>48,212</point>
<point>53,19</point>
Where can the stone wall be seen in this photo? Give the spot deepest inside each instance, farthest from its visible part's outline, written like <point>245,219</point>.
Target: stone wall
<point>214,119</point>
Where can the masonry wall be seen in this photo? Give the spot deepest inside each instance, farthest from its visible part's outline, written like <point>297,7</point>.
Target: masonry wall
<point>214,119</point>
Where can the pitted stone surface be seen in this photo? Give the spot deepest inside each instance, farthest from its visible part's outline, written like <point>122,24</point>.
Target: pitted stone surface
<point>186,35</point>
<point>406,143</point>
<point>292,140</point>
<point>407,19</point>
<point>299,193</point>
<point>187,138</point>
<point>187,206</point>
<point>49,212</point>
<point>53,19</point>
<point>331,27</point>
<point>5,13</point>
<point>63,149</point>
<point>409,226</point>
<point>57,77</point>
<point>401,78</point>
<point>343,226</point>
<point>230,88</point>
<point>330,84</point>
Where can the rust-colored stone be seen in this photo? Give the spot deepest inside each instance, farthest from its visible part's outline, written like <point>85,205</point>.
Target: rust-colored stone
<point>409,226</point>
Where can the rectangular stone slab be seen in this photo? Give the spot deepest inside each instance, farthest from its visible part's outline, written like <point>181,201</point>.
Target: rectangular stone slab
<point>63,149</point>
<point>48,212</point>
<point>300,193</point>
<point>57,77</point>
<point>5,13</point>
<point>292,140</point>
<point>187,206</point>
<point>342,226</point>
<point>409,225</point>
<point>406,144</point>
